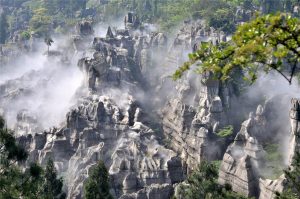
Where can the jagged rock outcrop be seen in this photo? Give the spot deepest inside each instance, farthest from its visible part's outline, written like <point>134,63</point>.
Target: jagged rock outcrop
<point>192,119</point>
<point>99,129</point>
<point>241,161</point>
<point>268,188</point>
<point>244,163</point>
<point>118,58</point>
<point>113,128</point>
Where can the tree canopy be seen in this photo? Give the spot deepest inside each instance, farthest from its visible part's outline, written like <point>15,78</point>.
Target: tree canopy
<point>97,184</point>
<point>52,186</point>
<point>18,181</point>
<point>269,42</point>
<point>202,183</point>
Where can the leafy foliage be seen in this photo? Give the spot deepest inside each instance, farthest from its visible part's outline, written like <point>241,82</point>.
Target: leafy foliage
<point>97,185</point>
<point>29,184</point>
<point>25,35</point>
<point>274,166</point>
<point>13,182</point>
<point>167,13</point>
<point>52,186</point>
<point>40,22</point>
<point>226,131</point>
<point>266,43</point>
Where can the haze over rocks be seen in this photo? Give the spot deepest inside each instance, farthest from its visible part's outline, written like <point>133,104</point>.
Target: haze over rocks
<point>111,98</point>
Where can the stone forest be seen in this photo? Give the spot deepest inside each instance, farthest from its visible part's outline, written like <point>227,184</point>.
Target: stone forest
<point>149,99</point>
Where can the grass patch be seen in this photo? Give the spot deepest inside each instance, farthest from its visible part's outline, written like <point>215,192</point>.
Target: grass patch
<point>217,163</point>
<point>274,162</point>
<point>226,131</point>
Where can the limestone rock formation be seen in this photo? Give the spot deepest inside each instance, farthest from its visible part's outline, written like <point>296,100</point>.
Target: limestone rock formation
<point>99,129</point>
<point>295,131</point>
<point>244,164</point>
<point>191,121</point>
<point>117,121</point>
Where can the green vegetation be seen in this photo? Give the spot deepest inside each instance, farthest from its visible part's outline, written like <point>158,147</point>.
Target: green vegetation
<point>169,13</point>
<point>52,186</point>
<point>217,163</point>
<point>202,183</point>
<point>40,22</point>
<point>226,131</point>
<point>33,183</point>
<point>272,152</point>
<point>97,184</point>
<point>43,17</point>
<point>269,42</point>
<point>274,162</point>
<point>25,35</point>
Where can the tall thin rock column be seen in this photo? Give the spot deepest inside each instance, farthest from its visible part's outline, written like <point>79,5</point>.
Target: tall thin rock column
<point>295,128</point>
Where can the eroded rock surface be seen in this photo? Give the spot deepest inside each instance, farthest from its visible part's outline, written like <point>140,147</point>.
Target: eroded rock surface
<point>147,154</point>
<point>245,163</point>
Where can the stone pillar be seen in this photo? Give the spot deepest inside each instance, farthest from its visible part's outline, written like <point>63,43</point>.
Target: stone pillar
<point>295,128</point>
<point>1,51</point>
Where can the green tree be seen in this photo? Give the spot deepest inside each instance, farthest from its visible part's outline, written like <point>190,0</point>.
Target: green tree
<point>33,183</point>
<point>202,183</point>
<point>3,28</point>
<point>25,36</point>
<point>97,184</point>
<point>40,23</point>
<point>14,183</point>
<point>266,43</point>
<point>52,186</point>
<point>50,6</point>
<point>48,41</point>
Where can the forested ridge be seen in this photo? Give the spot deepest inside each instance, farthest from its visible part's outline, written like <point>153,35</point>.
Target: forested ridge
<point>42,17</point>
